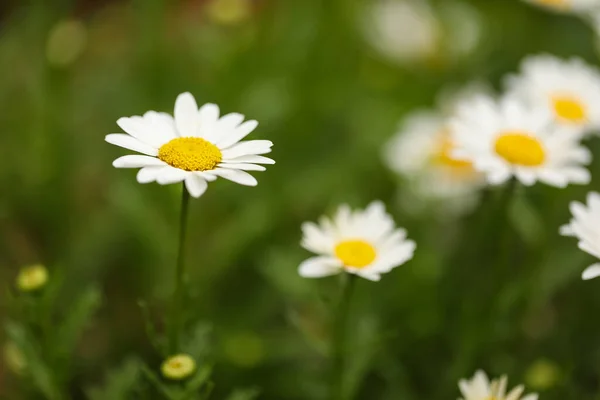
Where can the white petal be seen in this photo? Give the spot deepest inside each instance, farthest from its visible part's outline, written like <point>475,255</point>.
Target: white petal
<point>251,147</point>
<point>243,167</point>
<point>137,161</point>
<point>591,272</point>
<point>171,175</point>
<point>227,125</point>
<point>195,185</point>
<point>206,175</point>
<point>131,143</point>
<point>317,267</point>
<point>251,159</point>
<point>567,230</point>
<point>235,175</point>
<point>153,128</point>
<point>208,117</point>
<point>186,115</point>
<point>369,275</point>
<point>236,135</point>
<point>149,174</point>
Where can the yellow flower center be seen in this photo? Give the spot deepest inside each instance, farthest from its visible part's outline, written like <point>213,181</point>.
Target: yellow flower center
<point>520,148</point>
<point>355,253</point>
<point>32,278</point>
<point>190,154</point>
<point>443,157</point>
<point>569,109</point>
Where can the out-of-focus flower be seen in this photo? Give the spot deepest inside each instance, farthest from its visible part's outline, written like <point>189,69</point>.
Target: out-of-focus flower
<point>567,6</point>
<point>229,12</point>
<point>66,42</point>
<point>32,278</point>
<point>570,89</point>
<point>542,375</point>
<point>361,242</point>
<point>14,358</point>
<point>481,388</point>
<point>409,31</point>
<point>585,226</point>
<point>195,147</point>
<point>422,153</point>
<point>505,139</point>
<point>178,367</point>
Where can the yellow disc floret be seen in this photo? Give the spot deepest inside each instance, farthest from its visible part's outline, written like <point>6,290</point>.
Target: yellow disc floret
<point>355,253</point>
<point>32,278</point>
<point>190,154</point>
<point>570,109</point>
<point>519,148</point>
<point>443,157</point>
<point>178,367</point>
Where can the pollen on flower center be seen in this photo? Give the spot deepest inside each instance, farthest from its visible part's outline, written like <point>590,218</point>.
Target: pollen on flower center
<point>443,156</point>
<point>520,148</point>
<point>190,154</point>
<point>355,253</point>
<point>569,109</point>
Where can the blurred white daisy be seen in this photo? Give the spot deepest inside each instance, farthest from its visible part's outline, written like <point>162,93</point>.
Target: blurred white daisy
<point>481,388</point>
<point>421,152</point>
<point>567,6</point>
<point>585,226</point>
<point>408,31</point>
<point>195,147</point>
<point>570,89</point>
<point>505,139</point>
<point>361,242</point>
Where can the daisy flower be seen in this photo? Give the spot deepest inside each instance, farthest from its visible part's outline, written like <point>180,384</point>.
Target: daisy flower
<point>570,89</point>
<point>421,151</point>
<point>361,242</point>
<point>567,6</point>
<point>585,226</point>
<point>505,139</point>
<point>196,146</point>
<point>480,388</point>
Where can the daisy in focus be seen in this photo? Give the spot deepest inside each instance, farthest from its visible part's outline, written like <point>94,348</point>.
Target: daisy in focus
<point>480,388</point>
<point>362,242</point>
<point>506,139</point>
<point>421,152</point>
<point>570,89</point>
<point>195,146</point>
<point>585,226</point>
<point>567,6</point>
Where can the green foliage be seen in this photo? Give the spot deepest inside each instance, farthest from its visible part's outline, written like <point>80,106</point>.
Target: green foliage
<point>120,383</point>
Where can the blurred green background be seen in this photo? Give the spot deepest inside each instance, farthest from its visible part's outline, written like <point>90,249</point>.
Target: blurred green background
<point>329,99</point>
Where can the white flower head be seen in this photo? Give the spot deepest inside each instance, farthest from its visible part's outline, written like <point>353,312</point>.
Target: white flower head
<point>585,226</point>
<point>569,89</point>
<point>421,151</point>
<point>196,146</point>
<point>362,242</point>
<point>507,138</point>
<point>481,388</point>
<point>567,6</point>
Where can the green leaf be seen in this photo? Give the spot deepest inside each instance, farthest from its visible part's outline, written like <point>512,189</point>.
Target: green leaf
<point>36,368</point>
<point>120,382</point>
<point>157,340</point>
<point>199,379</point>
<point>159,385</point>
<point>526,219</point>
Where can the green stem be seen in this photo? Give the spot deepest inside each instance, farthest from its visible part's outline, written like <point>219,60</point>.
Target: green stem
<point>339,337</point>
<point>178,294</point>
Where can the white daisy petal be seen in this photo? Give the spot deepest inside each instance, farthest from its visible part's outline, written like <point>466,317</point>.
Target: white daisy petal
<point>171,175</point>
<point>480,388</point>
<point>195,185</point>
<point>591,272</point>
<point>208,118</point>
<point>149,174</point>
<point>250,159</point>
<point>251,147</point>
<point>137,161</point>
<point>243,167</point>
<point>131,143</point>
<point>186,115</point>
<point>235,175</point>
<point>233,137</point>
<point>317,267</point>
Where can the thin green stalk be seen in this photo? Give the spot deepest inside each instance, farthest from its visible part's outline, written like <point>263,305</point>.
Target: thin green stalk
<point>339,337</point>
<point>178,294</point>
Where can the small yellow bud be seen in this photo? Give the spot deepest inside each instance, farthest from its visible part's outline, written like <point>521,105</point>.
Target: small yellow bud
<point>229,12</point>
<point>32,278</point>
<point>178,367</point>
<point>14,358</point>
<point>542,375</point>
